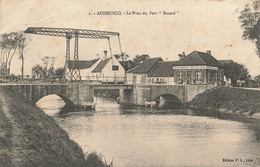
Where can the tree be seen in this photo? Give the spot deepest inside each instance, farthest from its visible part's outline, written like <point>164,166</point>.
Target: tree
<point>59,72</point>
<point>140,58</point>
<point>235,72</point>
<point>49,70</point>
<point>8,44</point>
<point>122,56</point>
<point>22,43</point>
<point>250,22</point>
<point>38,71</point>
<point>257,80</point>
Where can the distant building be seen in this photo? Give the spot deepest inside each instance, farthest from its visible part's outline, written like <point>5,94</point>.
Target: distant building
<point>198,68</point>
<point>140,73</point>
<point>226,61</point>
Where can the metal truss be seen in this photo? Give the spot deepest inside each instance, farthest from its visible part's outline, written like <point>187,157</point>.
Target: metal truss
<point>72,74</point>
<point>64,32</point>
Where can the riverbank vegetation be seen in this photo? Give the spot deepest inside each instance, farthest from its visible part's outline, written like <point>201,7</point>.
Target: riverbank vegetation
<point>229,99</point>
<point>28,137</point>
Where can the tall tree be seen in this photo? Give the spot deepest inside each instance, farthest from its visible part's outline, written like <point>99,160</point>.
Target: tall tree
<point>250,21</point>
<point>22,43</point>
<point>8,44</point>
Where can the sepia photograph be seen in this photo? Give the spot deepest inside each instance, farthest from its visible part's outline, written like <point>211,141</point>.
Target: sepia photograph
<point>120,83</point>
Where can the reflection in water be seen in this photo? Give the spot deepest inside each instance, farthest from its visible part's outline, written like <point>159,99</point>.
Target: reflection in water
<point>131,137</point>
<point>168,101</point>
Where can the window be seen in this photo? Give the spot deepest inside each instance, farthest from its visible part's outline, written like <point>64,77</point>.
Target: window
<point>114,68</point>
<point>180,76</point>
<point>143,79</point>
<point>198,76</point>
<point>188,74</point>
<point>208,75</point>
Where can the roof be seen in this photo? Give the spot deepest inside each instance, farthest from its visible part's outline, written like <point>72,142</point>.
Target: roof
<point>146,66</point>
<point>128,65</point>
<point>226,61</point>
<point>199,58</point>
<point>81,64</point>
<point>101,65</point>
<point>163,69</point>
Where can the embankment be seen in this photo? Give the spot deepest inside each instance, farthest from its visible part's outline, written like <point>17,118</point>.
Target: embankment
<point>28,137</point>
<point>229,99</point>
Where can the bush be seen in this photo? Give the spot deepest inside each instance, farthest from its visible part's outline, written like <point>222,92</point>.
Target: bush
<point>95,160</point>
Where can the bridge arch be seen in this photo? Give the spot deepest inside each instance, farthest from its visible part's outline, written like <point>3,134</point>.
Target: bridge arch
<point>168,100</point>
<point>176,90</point>
<point>68,104</point>
<point>72,94</point>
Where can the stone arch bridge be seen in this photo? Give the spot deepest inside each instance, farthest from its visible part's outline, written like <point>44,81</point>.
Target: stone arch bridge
<point>77,94</point>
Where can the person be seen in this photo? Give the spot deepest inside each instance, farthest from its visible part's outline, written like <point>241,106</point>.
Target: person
<point>118,100</point>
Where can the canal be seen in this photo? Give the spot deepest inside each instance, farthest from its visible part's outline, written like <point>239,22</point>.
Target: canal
<point>144,136</point>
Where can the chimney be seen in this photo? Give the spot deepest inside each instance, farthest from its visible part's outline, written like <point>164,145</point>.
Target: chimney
<point>105,54</point>
<point>181,56</point>
<point>209,52</point>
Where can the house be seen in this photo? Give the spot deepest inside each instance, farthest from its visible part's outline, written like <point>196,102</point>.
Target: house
<point>108,70</point>
<point>162,73</point>
<point>198,68</point>
<point>140,73</point>
<point>85,66</point>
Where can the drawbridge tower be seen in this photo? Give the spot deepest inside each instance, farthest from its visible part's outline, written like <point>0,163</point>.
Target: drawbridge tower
<point>72,73</point>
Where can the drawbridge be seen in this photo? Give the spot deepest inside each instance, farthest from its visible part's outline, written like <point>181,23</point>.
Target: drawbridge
<point>73,74</point>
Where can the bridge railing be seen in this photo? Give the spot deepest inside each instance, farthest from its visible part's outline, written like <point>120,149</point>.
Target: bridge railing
<point>153,81</point>
<point>12,79</point>
<point>105,79</point>
<point>58,80</point>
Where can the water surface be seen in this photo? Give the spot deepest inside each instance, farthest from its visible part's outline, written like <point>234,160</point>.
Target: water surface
<point>131,137</point>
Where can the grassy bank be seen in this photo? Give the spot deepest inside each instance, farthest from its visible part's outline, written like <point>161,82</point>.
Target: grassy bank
<point>28,137</point>
<point>5,139</point>
<point>229,99</point>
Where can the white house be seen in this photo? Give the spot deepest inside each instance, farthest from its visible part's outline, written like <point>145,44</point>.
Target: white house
<point>108,70</point>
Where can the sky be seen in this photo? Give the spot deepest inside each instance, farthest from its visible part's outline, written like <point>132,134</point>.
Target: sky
<point>197,25</point>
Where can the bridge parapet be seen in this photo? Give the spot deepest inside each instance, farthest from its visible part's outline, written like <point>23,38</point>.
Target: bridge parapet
<point>72,94</point>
